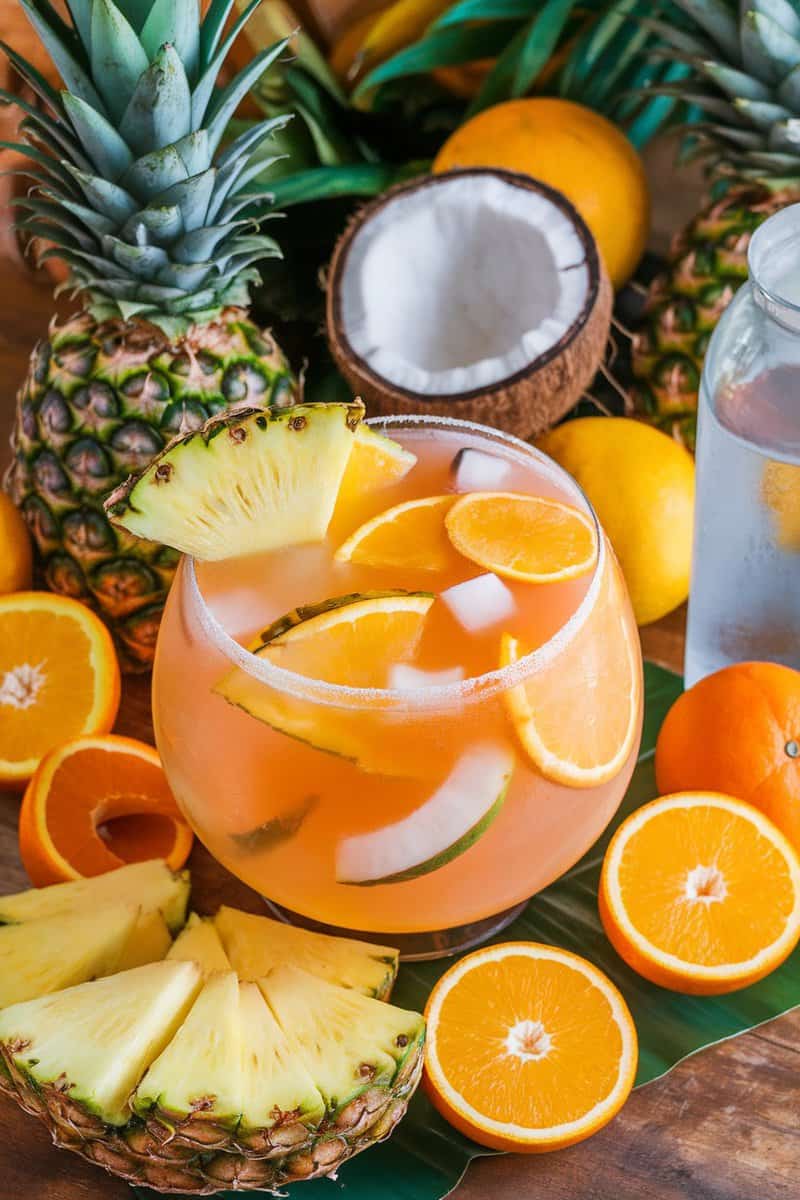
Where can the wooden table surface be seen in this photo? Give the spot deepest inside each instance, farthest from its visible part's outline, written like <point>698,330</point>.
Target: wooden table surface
<point>721,1126</point>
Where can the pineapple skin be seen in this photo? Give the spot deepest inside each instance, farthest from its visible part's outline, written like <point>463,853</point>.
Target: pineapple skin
<point>150,1156</point>
<point>707,265</point>
<point>100,399</point>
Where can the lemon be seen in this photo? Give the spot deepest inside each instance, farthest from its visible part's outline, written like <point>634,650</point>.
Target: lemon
<point>641,484</point>
<point>16,560</point>
<point>573,149</point>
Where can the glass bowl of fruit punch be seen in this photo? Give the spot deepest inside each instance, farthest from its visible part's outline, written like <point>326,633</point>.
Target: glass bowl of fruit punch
<point>398,683</point>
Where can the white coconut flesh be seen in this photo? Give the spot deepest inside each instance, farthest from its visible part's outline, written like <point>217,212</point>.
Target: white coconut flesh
<point>456,287</point>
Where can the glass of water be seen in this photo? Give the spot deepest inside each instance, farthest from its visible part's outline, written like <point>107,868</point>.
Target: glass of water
<point>745,595</point>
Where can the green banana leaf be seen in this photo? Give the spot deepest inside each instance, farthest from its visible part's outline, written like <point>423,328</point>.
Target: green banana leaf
<point>425,1158</point>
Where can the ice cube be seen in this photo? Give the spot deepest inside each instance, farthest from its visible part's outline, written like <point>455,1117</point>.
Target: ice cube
<point>480,603</point>
<point>476,471</point>
<point>408,679</point>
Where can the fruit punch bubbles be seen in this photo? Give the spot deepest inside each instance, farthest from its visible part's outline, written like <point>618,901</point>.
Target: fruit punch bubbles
<point>398,685</point>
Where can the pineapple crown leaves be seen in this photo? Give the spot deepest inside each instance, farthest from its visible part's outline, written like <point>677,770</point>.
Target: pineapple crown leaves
<point>133,184</point>
<point>744,84</point>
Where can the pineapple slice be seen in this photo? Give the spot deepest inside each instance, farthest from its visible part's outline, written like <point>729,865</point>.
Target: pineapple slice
<point>147,885</point>
<point>349,1043</point>
<point>195,1085</point>
<point>279,1097</point>
<point>255,945</point>
<point>199,942</point>
<point>149,941</point>
<point>247,482</point>
<point>86,1048</point>
<point>52,953</point>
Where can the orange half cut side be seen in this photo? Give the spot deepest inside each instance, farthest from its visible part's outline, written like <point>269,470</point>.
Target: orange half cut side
<point>59,678</point>
<point>529,1048</point>
<point>700,893</point>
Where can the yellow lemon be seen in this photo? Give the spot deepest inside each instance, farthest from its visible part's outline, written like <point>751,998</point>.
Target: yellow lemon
<point>575,150</point>
<point>16,560</point>
<point>641,484</point>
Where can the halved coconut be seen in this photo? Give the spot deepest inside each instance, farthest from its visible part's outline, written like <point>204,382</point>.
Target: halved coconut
<point>476,294</point>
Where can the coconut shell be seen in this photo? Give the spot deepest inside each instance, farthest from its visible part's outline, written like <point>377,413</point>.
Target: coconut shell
<point>526,403</point>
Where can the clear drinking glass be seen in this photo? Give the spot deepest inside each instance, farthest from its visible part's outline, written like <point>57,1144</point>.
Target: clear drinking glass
<point>745,592</point>
<point>292,818</point>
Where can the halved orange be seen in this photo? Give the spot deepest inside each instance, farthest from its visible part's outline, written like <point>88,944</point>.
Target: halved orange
<point>94,804</point>
<point>529,1047</point>
<point>59,678</point>
<point>410,535</point>
<point>529,538</point>
<point>700,893</point>
<point>578,715</point>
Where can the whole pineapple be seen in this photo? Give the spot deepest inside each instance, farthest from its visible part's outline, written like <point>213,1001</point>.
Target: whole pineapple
<point>751,59</point>
<point>135,190</point>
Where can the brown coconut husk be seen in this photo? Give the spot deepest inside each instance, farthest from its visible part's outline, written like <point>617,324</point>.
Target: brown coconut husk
<point>526,403</point>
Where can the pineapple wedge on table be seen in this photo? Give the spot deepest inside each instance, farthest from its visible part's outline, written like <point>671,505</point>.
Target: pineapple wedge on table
<point>136,190</point>
<point>746,67</point>
<point>201,1071</point>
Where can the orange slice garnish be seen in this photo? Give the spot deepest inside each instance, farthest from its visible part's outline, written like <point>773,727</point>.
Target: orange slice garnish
<point>93,805</point>
<point>701,893</point>
<point>529,1048</point>
<point>578,716</point>
<point>410,535</point>
<point>528,538</point>
<point>59,678</point>
<point>375,463</point>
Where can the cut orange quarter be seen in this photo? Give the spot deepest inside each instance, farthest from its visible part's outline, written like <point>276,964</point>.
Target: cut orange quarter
<point>375,462</point>
<point>528,538</point>
<point>578,715</point>
<point>410,535</point>
<point>529,1048</point>
<point>59,678</point>
<point>700,893</point>
<point>95,804</point>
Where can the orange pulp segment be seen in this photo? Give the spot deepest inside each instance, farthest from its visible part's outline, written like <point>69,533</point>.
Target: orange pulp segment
<point>93,805</point>
<point>701,893</point>
<point>529,538</point>
<point>409,535</point>
<point>577,716</point>
<point>375,462</point>
<point>59,678</point>
<point>529,1047</point>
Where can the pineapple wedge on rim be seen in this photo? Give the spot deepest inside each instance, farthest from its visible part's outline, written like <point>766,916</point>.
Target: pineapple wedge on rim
<point>246,482</point>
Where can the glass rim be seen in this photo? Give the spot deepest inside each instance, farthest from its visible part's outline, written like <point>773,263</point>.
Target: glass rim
<point>784,224</point>
<point>475,688</point>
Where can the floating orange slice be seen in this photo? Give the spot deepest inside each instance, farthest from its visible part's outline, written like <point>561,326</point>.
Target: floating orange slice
<point>578,716</point>
<point>59,678</point>
<point>529,1048</point>
<point>410,535</point>
<point>528,538</point>
<point>95,804</point>
<point>701,893</point>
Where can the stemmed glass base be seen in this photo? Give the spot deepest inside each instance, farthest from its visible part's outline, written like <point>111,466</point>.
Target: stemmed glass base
<point>413,947</point>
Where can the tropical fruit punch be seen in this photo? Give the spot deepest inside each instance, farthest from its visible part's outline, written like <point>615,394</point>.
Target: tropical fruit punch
<point>345,698</point>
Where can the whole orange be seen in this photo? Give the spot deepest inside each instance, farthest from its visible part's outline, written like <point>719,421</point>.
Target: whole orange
<point>573,149</point>
<point>738,731</point>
